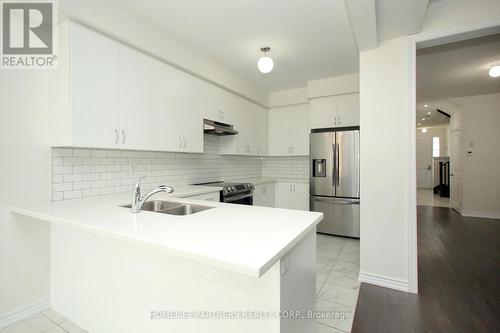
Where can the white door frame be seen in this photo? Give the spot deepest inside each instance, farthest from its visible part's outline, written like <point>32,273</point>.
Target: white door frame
<point>446,35</point>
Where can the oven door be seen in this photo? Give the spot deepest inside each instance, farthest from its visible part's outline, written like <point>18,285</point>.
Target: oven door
<point>241,199</point>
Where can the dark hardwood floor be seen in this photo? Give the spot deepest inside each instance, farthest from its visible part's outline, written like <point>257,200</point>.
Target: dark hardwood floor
<point>459,280</point>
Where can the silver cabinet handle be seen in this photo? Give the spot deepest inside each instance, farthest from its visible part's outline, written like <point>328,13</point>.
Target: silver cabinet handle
<point>290,187</point>
<point>116,135</point>
<point>335,120</point>
<point>292,150</point>
<point>339,120</point>
<point>123,137</point>
<point>184,144</point>
<point>294,187</point>
<point>180,142</point>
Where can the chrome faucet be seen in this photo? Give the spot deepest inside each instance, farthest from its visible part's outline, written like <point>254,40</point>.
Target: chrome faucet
<point>138,200</point>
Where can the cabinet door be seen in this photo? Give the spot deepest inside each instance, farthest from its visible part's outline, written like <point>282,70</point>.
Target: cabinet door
<point>348,110</point>
<point>263,195</point>
<point>300,129</point>
<point>279,131</point>
<point>301,196</point>
<point>260,131</point>
<point>94,102</point>
<point>323,112</point>
<point>284,195</point>
<point>259,195</point>
<point>141,121</point>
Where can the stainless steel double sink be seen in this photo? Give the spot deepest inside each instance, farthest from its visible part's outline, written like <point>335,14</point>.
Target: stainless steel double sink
<point>171,208</point>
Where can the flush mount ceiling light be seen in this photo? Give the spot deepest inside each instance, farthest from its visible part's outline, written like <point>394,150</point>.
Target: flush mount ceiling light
<point>424,130</point>
<point>426,105</point>
<point>494,70</point>
<point>429,112</point>
<point>419,124</point>
<point>265,63</point>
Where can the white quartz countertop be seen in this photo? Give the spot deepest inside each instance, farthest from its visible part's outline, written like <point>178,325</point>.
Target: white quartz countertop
<point>266,180</point>
<point>244,239</point>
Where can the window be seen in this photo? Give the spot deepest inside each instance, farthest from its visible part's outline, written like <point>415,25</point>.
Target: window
<point>435,146</point>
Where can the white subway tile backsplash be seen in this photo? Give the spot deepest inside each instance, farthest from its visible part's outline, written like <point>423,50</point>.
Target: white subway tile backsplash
<point>72,194</point>
<point>81,185</point>
<point>62,152</point>
<point>60,187</point>
<point>72,161</point>
<point>81,169</point>
<point>74,177</point>
<point>98,153</point>
<point>81,153</point>
<point>63,169</point>
<point>94,172</point>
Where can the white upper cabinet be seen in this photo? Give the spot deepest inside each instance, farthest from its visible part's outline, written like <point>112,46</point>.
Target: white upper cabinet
<point>335,111</point>
<point>92,95</point>
<point>300,116</point>
<point>348,110</point>
<point>250,120</point>
<point>180,119</point>
<point>323,112</point>
<point>288,130</point>
<point>137,102</point>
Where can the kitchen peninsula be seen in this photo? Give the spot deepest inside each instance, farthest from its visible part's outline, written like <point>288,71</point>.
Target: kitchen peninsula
<point>114,271</point>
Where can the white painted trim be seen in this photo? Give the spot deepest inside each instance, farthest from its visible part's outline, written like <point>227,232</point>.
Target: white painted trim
<point>469,27</point>
<point>412,174</point>
<point>24,312</point>
<point>384,281</point>
<point>484,215</point>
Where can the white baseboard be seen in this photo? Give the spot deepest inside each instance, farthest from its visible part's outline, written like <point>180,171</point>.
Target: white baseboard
<point>384,281</point>
<point>24,312</point>
<point>481,214</point>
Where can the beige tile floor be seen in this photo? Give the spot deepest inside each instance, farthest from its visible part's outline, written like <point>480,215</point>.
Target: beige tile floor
<point>337,290</point>
<point>425,197</point>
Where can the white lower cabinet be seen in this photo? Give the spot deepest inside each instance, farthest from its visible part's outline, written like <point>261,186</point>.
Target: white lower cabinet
<point>263,195</point>
<point>292,195</point>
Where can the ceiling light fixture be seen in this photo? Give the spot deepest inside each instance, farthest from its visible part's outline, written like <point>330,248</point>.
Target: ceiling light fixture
<point>265,63</point>
<point>418,124</point>
<point>423,118</point>
<point>494,70</point>
<point>424,130</point>
<point>426,105</point>
<point>429,112</point>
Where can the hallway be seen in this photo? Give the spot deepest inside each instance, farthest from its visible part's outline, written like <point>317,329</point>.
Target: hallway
<point>458,280</point>
<point>425,197</point>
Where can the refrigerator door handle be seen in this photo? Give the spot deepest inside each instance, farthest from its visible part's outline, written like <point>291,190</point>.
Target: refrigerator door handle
<point>337,162</point>
<point>336,201</point>
<point>334,165</point>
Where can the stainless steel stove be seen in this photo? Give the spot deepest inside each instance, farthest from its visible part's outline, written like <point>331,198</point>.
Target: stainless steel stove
<point>234,192</point>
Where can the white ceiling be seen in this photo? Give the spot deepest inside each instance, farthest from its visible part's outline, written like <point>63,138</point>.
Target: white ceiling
<point>455,70</point>
<point>309,39</point>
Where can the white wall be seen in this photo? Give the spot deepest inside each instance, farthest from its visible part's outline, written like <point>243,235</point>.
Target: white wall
<point>446,13</point>
<point>479,119</point>
<point>331,86</point>
<point>441,132</point>
<point>24,176</point>
<point>384,141</point>
<point>386,101</point>
<point>108,17</point>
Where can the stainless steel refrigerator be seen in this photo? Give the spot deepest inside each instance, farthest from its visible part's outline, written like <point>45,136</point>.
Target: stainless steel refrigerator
<point>334,185</point>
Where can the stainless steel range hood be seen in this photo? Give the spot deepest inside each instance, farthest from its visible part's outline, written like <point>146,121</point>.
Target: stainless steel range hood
<point>212,127</point>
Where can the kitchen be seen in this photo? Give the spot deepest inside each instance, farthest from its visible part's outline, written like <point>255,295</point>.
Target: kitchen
<point>164,175</point>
